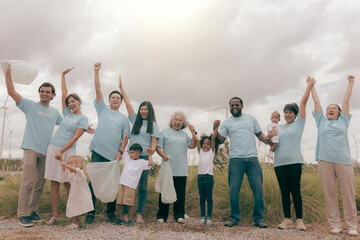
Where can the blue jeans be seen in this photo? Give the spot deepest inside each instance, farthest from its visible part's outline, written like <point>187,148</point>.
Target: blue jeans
<point>206,186</point>
<point>142,189</point>
<point>237,168</point>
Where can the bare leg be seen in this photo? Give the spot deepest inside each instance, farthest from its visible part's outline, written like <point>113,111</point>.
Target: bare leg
<point>75,220</point>
<point>121,211</point>
<point>67,188</point>
<point>131,212</point>
<point>55,195</point>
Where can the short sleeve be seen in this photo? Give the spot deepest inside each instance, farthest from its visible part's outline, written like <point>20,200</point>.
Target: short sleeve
<point>257,127</point>
<point>188,139</point>
<point>161,139</point>
<point>99,106</point>
<point>132,118</point>
<point>59,118</point>
<point>223,131</point>
<point>318,117</point>
<point>80,173</point>
<point>269,127</point>
<point>156,130</point>
<point>345,118</point>
<point>126,157</point>
<point>126,128</point>
<point>24,104</point>
<point>84,123</point>
<point>66,112</point>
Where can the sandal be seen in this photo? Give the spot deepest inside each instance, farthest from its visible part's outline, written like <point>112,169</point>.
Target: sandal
<point>72,226</point>
<point>52,221</point>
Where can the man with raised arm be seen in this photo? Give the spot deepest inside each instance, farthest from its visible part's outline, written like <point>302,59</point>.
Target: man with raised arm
<point>241,128</point>
<point>106,143</point>
<point>40,123</point>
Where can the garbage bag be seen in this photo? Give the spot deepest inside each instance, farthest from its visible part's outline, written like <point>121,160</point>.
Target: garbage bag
<point>104,177</point>
<point>165,184</point>
<point>21,71</point>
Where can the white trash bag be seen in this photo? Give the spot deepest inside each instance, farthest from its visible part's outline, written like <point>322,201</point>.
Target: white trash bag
<point>165,184</point>
<point>104,177</point>
<point>21,71</point>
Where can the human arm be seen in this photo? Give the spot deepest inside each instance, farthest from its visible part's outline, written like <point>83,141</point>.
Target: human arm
<point>194,137</point>
<point>162,154</point>
<point>345,104</point>
<point>219,138</point>
<point>150,153</point>
<point>122,147</point>
<point>98,92</point>
<point>315,97</point>
<point>261,136</point>
<point>65,166</point>
<point>127,101</point>
<point>78,133</point>
<point>153,145</point>
<point>64,91</point>
<point>10,86</point>
<point>213,139</point>
<point>310,83</point>
<point>192,144</point>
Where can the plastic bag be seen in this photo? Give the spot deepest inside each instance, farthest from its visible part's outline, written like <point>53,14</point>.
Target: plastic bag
<point>104,177</point>
<point>21,71</point>
<point>165,184</point>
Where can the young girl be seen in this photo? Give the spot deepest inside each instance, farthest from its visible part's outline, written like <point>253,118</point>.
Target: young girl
<point>79,201</point>
<point>206,148</point>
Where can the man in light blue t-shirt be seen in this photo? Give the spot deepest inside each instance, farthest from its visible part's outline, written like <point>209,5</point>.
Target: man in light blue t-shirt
<point>241,128</point>
<point>106,143</point>
<point>40,123</point>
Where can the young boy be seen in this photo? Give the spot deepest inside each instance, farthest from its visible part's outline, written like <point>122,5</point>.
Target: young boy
<point>129,179</point>
<point>275,118</point>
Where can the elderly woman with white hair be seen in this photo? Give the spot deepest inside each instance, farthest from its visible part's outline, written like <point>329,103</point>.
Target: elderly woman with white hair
<point>172,146</point>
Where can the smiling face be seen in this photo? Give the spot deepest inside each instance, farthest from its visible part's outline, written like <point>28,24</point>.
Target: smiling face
<point>74,105</point>
<point>144,112</point>
<point>206,145</point>
<point>177,122</point>
<point>72,163</point>
<point>332,112</point>
<point>275,117</point>
<point>289,116</point>
<point>134,154</point>
<point>46,95</point>
<point>115,101</point>
<point>235,107</point>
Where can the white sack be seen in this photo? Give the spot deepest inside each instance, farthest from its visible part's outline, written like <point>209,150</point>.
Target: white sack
<point>21,71</point>
<point>104,177</point>
<point>165,184</point>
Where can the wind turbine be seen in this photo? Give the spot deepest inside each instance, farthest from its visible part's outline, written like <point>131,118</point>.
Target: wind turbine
<point>214,109</point>
<point>3,127</point>
<point>356,146</point>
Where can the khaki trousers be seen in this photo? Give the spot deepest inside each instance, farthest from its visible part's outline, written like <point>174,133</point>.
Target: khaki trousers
<point>328,173</point>
<point>32,182</point>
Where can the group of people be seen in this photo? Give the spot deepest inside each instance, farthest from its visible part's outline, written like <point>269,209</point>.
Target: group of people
<point>54,157</point>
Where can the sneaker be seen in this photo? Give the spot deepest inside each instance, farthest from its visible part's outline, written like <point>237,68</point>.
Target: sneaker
<point>89,218</point>
<point>119,222</point>
<point>160,220</point>
<point>112,218</point>
<point>180,220</point>
<point>335,231</point>
<point>52,221</point>
<point>35,218</point>
<point>270,154</point>
<point>286,224</point>
<point>139,219</point>
<point>353,232</point>
<point>126,217</point>
<point>261,224</point>
<point>72,226</point>
<point>230,223</point>
<point>25,222</point>
<point>300,225</point>
<point>186,216</point>
<point>130,223</point>
<point>202,220</point>
<point>209,221</point>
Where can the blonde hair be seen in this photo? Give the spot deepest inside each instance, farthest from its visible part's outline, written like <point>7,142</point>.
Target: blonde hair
<point>78,160</point>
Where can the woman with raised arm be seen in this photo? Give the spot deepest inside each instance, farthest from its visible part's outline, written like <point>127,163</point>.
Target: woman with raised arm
<point>334,160</point>
<point>63,144</point>
<point>288,159</point>
<point>145,131</point>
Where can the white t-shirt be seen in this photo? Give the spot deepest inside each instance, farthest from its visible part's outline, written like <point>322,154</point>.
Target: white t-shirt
<point>132,171</point>
<point>206,162</point>
<point>270,127</point>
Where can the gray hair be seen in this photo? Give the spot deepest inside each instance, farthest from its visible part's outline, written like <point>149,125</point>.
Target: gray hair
<point>181,114</point>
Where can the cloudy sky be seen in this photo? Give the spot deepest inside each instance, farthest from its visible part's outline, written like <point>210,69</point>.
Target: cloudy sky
<point>187,55</point>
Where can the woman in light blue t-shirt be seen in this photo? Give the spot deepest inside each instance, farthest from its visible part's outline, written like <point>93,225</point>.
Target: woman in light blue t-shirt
<point>288,159</point>
<point>334,161</point>
<point>145,131</point>
<point>63,144</point>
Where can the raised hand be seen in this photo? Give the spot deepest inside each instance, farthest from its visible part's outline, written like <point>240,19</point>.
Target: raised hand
<point>310,81</point>
<point>150,151</point>
<point>351,78</point>
<point>191,127</point>
<point>67,70</point>
<point>58,155</point>
<point>120,82</point>
<point>8,69</point>
<point>216,124</point>
<point>97,66</point>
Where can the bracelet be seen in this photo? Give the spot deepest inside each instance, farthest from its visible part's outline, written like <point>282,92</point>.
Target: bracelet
<point>121,152</point>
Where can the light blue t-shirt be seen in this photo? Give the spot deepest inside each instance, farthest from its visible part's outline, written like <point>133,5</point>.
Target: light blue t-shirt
<point>288,150</point>
<point>332,142</point>
<point>67,128</point>
<point>40,123</point>
<point>109,132</point>
<point>175,144</point>
<point>241,131</point>
<point>143,138</point>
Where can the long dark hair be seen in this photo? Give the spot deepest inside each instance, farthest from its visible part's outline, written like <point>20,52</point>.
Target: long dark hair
<point>150,119</point>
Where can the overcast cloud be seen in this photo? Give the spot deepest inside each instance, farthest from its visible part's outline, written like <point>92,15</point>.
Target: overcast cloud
<point>187,55</point>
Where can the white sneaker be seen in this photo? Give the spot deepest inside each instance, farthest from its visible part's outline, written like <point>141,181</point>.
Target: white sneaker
<point>300,225</point>
<point>285,224</point>
<point>270,154</point>
<point>160,220</point>
<point>335,231</point>
<point>353,232</point>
